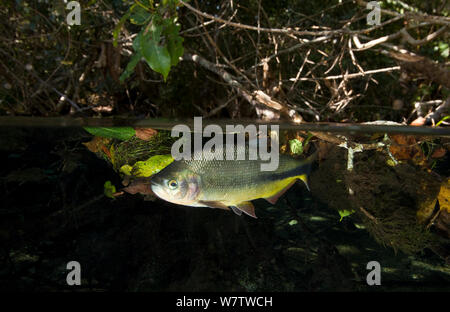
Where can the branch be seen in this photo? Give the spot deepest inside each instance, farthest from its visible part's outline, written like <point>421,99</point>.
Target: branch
<point>401,33</point>
<point>256,98</point>
<point>444,108</point>
<point>415,63</point>
<point>290,31</point>
<point>432,19</point>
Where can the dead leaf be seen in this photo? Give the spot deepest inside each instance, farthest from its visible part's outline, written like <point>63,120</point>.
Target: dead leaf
<point>405,147</point>
<point>140,185</point>
<point>438,153</point>
<point>442,224</point>
<point>96,144</point>
<point>145,133</point>
<point>444,196</point>
<point>324,149</point>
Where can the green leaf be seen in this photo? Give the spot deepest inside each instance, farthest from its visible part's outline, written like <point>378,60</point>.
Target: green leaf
<point>444,49</point>
<point>296,146</point>
<point>137,42</point>
<point>443,119</point>
<point>293,222</point>
<point>150,166</point>
<point>156,55</point>
<point>174,42</point>
<point>119,27</point>
<point>345,213</point>
<point>139,15</point>
<point>121,133</point>
<point>130,67</point>
<point>109,189</point>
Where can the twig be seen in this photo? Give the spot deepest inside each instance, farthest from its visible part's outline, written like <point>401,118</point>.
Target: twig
<point>354,75</point>
<point>401,33</point>
<point>368,215</point>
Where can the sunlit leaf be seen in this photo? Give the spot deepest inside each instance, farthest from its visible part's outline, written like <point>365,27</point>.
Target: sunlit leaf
<point>151,166</point>
<point>156,55</point>
<point>296,146</point>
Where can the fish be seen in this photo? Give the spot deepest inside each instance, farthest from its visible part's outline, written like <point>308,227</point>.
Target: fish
<point>228,184</point>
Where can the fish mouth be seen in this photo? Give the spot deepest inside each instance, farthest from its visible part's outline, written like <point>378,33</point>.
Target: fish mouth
<point>153,182</point>
<point>155,187</point>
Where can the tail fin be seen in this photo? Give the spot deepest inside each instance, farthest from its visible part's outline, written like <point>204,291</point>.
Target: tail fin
<point>305,169</point>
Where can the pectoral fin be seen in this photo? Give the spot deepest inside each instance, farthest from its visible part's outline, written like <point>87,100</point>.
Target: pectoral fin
<point>236,211</point>
<point>214,204</point>
<point>246,207</point>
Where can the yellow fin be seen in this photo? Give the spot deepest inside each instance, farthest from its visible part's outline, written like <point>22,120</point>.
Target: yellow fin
<point>304,178</point>
<point>273,199</point>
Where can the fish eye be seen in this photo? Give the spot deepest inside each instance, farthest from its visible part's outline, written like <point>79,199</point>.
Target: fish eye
<point>173,184</point>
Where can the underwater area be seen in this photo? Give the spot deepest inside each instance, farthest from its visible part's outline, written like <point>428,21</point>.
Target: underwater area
<point>54,210</point>
<point>91,199</point>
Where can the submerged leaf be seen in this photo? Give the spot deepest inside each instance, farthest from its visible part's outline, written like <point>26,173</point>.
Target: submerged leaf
<point>296,146</point>
<point>151,166</point>
<point>345,213</point>
<point>126,169</point>
<point>120,133</point>
<point>109,189</point>
<point>145,133</point>
<point>444,196</point>
<point>97,144</point>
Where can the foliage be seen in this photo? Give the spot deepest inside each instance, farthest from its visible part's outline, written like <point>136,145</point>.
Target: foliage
<point>97,64</point>
<point>158,42</point>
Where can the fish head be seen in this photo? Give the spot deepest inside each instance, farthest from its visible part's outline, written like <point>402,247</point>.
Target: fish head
<point>178,187</point>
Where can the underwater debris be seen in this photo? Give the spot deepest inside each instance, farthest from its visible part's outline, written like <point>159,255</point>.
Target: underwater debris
<point>385,199</point>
